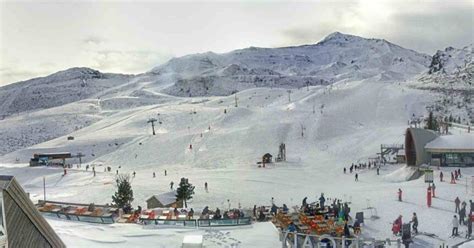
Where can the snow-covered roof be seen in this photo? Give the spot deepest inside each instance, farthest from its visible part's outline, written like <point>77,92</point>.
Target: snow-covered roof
<point>166,198</point>
<point>459,143</point>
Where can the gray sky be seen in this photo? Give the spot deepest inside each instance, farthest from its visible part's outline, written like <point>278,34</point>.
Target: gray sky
<point>41,37</point>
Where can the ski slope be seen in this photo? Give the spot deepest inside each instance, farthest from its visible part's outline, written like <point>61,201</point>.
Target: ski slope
<point>349,122</point>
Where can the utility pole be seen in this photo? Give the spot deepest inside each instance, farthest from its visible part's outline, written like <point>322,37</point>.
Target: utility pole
<point>80,155</point>
<point>44,188</point>
<point>152,121</point>
<point>235,97</point>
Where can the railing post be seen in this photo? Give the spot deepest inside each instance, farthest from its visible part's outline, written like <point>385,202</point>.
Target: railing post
<point>296,240</point>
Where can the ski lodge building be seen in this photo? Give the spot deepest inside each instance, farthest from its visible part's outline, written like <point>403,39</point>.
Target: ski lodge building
<point>21,225</point>
<point>424,146</point>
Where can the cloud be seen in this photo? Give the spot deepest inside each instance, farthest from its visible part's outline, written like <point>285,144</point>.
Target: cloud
<point>134,61</point>
<point>421,26</point>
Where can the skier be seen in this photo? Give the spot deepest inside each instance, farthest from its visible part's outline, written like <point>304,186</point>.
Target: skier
<point>378,171</point>
<point>154,175</point>
<point>273,201</point>
<point>457,202</point>
<point>116,172</point>
<point>171,185</point>
<point>456,176</point>
<point>414,220</point>
<point>344,170</point>
<point>441,176</point>
<point>400,195</point>
<point>134,173</point>
<point>165,173</point>
<point>65,172</point>
<point>433,187</point>
<point>356,177</point>
<point>452,178</point>
<point>205,186</point>
<point>190,146</point>
<point>93,169</point>
<point>455,226</point>
<point>255,211</point>
<point>459,173</point>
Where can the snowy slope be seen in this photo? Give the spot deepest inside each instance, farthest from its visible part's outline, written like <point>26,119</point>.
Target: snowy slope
<point>55,90</point>
<point>337,57</point>
<point>451,68</point>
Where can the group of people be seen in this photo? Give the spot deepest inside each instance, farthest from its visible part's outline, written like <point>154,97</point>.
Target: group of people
<point>460,219</point>
<point>359,166</point>
<point>216,215</point>
<point>455,175</point>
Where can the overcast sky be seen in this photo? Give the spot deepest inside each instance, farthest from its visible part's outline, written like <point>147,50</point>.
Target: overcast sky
<point>41,37</point>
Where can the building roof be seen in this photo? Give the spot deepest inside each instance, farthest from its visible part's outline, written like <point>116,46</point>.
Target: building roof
<point>165,198</point>
<point>25,226</point>
<point>450,143</point>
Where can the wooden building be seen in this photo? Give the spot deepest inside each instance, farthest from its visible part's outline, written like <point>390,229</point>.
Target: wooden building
<point>164,200</point>
<point>21,223</point>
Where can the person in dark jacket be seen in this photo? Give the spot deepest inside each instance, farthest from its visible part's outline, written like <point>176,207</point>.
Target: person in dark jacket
<point>304,203</point>
<point>414,220</point>
<point>322,200</point>
<point>273,210</point>
<point>457,202</point>
<point>469,226</point>
<point>462,215</point>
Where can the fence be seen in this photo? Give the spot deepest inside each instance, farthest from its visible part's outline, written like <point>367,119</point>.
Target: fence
<point>198,222</point>
<point>303,240</point>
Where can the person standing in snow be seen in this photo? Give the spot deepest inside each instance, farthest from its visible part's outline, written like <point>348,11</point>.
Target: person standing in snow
<point>378,171</point>
<point>455,226</point>
<point>322,200</point>
<point>400,195</point>
<point>166,173</point>
<point>462,215</point>
<point>344,170</point>
<point>452,178</point>
<point>171,185</point>
<point>154,175</point>
<point>356,177</point>
<point>414,220</point>
<point>471,206</point>
<point>93,170</point>
<point>469,226</point>
<point>205,186</point>
<point>459,172</point>
<point>456,203</point>
<point>134,173</point>
<point>440,176</point>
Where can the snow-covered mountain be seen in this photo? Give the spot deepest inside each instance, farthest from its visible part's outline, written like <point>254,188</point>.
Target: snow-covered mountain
<point>57,89</point>
<point>337,57</point>
<point>451,68</point>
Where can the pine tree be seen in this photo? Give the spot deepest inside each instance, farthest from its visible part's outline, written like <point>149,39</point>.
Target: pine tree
<point>431,123</point>
<point>123,197</point>
<point>185,191</point>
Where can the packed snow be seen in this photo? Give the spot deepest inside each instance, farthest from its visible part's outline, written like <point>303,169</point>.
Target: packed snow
<point>327,124</point>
